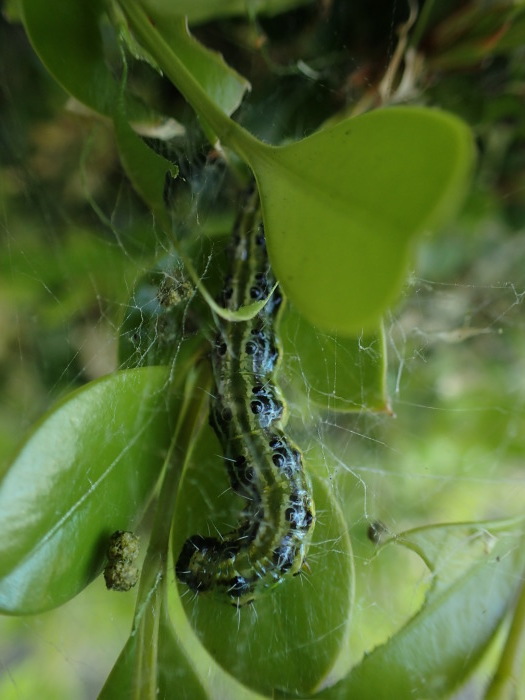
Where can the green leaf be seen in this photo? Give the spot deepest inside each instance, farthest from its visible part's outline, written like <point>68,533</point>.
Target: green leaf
<point>221,83</point>
<point>342,208</point>
<point>67,38</point>
<point>441,644</point>
<point>165,659</point>
<point>206,10</point>
<point>291,637</point>
<point>153,664</point>
<point>339,374</point>
<point>88,468</point>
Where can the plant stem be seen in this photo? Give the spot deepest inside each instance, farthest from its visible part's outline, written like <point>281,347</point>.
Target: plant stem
<point>191,418</point>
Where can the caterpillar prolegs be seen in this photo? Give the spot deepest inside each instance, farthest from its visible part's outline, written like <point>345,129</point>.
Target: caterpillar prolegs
<point>248,414</point>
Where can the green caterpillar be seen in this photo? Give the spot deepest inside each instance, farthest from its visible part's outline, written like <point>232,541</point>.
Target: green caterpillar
<point>248,414</point>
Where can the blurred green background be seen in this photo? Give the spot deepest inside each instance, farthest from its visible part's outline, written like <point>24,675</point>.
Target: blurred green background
<point>74,238</point>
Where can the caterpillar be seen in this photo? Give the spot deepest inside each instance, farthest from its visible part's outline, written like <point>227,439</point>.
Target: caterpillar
<point>248,414</point>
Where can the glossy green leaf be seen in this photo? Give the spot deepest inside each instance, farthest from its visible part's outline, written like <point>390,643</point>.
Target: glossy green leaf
<point>441,644</point>
<point>338,373</point>
<point>67,38</point>
<point>207,10</point>
<point>87,469</point>
<point>291,637</point>
<point>342,207</point>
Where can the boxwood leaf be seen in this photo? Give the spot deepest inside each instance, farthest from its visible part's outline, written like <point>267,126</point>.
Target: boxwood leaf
<point>88,468</point>
<point>343,206</point>
<point>67,38</point>
<point>339,373</point>
<point>441,644</point>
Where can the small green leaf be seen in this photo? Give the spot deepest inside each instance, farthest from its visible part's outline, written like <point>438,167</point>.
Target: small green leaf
<point>291,637</point>
<point>441,644</point>
<point>87,469</point>
<point>339,374</point>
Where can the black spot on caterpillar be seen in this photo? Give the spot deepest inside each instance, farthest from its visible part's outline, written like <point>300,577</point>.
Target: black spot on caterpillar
<point>121,574</point>
<point>248,414</point>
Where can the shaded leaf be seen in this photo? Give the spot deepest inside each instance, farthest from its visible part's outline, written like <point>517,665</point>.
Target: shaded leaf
<point>153,664</point>
<point>206,10</point>
<point>67,38</point>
